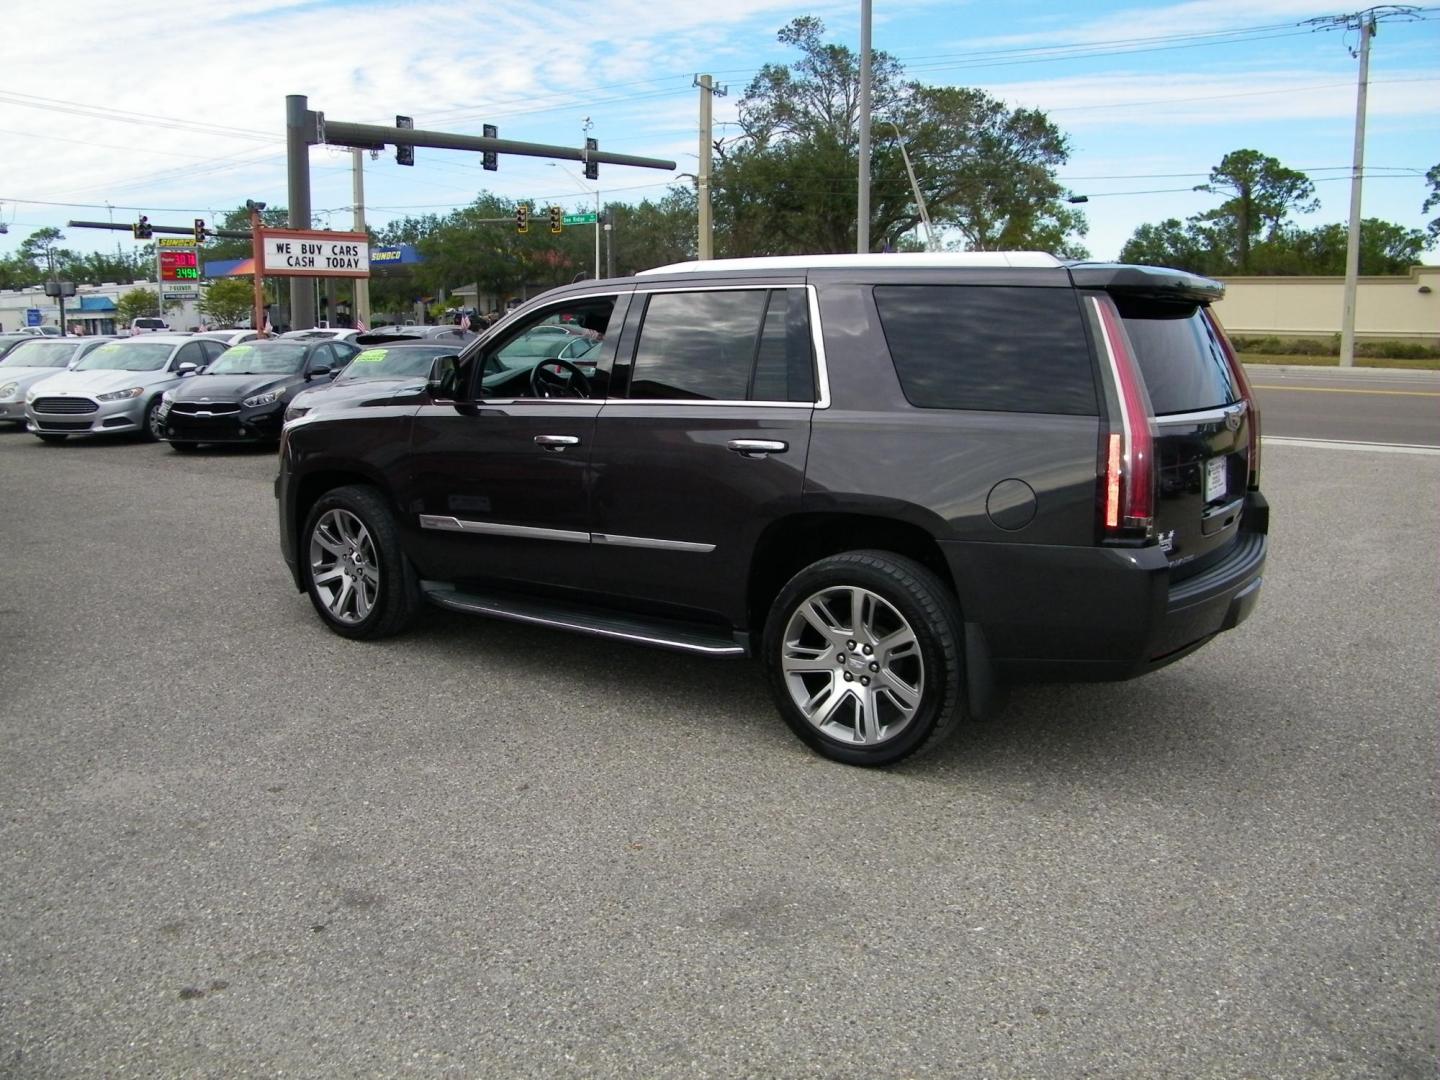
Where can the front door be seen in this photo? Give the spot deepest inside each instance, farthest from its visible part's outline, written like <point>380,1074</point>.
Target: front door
<point>501,479</point>
<point>706,447</point>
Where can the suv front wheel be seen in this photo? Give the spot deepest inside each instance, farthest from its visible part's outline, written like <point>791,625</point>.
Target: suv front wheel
<point>355,572</point>
<point>864,657</point>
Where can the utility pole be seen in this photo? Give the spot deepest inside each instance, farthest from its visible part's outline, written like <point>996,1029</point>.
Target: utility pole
<point>1364,22</point>
<point>708,92</point>
<point>862,217</point>
<point>361,314</point>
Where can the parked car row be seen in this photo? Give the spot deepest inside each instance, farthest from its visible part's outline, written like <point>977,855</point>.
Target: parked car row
<point>194,389</point>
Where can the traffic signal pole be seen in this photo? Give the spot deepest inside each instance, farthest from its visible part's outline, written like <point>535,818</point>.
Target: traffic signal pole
<point>299,131</point>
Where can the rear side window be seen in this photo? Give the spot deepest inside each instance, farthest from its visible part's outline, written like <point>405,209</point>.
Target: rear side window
<point>1182,363</point>
<point>998,348</point>
<point>725,345</point>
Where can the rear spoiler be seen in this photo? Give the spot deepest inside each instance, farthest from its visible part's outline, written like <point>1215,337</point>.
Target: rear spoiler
<point>1155,282</point>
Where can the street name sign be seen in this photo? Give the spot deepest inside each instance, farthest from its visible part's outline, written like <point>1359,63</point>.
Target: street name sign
<point>315,253</point>
<point>579,219</point>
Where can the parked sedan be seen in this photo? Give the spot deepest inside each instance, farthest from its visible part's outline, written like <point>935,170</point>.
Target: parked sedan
<point>241,398</point>
<point>376,372</point>
<point>116,388</point>
<point>35,359</point>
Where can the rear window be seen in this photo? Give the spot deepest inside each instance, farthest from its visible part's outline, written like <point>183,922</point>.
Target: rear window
<point>996,348</point>
<point>1183,365</point>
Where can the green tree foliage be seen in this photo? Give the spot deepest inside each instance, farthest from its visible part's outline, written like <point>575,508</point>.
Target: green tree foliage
<point>654,233</point>
<point>1432,202</point>
<point>1260,193</point>
<point>1385,248</point>
<point>42,249</point>
<point>228,301</point>
<point>238,220</point>
<point>787,184</point>
<point>136,303</point>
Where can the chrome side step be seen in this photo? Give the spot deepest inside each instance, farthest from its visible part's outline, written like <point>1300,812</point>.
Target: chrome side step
<point>584,619</point>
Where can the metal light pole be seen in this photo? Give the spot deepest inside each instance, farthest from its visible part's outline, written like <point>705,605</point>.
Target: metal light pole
<point>1352,243</point>
<point>930,244</point>
<point>297,146</point>
<point>862,218</point>
<point>567,172</point>
<point>361,315</point>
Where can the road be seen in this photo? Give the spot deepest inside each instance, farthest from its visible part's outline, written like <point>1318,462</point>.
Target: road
<point>234,844</point>
<point>1360,405</point>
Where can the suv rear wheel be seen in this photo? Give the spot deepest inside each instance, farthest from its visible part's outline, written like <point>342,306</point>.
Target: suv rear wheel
<point>355,572</point>
<point>864,657</point>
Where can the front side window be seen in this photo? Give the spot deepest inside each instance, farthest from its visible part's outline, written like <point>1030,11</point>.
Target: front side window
<point>1000,348</point>
<point>725,345</point>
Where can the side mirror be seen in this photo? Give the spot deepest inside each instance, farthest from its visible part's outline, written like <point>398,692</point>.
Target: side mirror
<point>318,369</point>
<point>187,368</point>
<point>444,381</point>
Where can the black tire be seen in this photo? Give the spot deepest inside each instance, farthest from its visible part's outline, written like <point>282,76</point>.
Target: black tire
<point>397,592</point>
<point>150,426</point>
<point>184,447</point>
<point>51,438</point>
<point>934,663</point>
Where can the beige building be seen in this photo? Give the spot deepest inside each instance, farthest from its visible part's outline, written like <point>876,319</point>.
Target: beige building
<point>1399,308</point>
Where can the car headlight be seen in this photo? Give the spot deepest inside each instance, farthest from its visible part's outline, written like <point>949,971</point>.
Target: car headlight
<point>294,412</point>
<point>121,395</point>
<point>168,397</point>
<point>8,390</point>
<point>31,395</point>
<point>263,399</point>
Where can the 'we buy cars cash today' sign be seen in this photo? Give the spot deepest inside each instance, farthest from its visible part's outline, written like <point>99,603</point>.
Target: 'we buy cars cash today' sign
<point>297,253</point>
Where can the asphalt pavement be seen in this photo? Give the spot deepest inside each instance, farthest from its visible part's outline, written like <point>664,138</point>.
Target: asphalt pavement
<point>233,844</point>
<point>1349,404</point>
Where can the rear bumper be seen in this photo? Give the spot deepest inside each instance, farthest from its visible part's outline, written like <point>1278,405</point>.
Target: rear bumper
<point>1102,613</point>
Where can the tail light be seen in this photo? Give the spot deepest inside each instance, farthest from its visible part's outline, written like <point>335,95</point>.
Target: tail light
<point>1237,372</point>
<point>1127,493</point>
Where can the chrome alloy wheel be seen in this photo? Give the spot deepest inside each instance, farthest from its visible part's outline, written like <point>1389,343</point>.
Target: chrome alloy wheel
<point>344,566</point>
<point>852,665</point>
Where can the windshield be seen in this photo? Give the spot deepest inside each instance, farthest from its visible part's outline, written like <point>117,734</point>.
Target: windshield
<point>411,361</point>
<point>127,356</point>
<point>39,353</point>
<point>269,359</point>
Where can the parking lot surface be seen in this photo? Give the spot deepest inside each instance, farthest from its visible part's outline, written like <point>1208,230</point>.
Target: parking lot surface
<point>233,844</point>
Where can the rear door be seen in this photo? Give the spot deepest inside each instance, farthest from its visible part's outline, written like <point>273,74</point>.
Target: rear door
<point>1202,429</point>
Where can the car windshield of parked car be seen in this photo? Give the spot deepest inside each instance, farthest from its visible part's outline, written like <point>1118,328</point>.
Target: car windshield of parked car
<point>268,359</point>
<point>379,362</point>
<point>127,356</point>
<point>40,353</point>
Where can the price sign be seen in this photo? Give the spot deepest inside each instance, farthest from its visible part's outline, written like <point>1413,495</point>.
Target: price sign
<point>179,265</point>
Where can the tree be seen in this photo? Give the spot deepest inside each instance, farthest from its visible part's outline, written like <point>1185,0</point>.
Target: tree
<point>1385,248</point>
<point>1432,201</point>
<point>228,301</point>
<point>239,220</point>
<point>787,183</point>
<point>135,304</point>
<point>1184,246</point>
<point>654,233</point>
<point>1262,193</point>
<point>42,249</point>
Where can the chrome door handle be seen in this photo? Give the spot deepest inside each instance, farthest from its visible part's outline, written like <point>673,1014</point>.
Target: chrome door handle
<point>556,444</point>
<point>757,447</point>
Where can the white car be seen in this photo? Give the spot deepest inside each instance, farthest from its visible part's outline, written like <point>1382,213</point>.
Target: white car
<point>116,388</point>
<point>338,333</point>
<point>228,337</point>
<point>148,325</point>
<point>33,360</point>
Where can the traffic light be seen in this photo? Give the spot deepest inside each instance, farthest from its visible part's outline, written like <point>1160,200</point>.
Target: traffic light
<point>522,218</point>
<point>557,219</point>
<point>141,229</point>
<point>200,231</point>
<point>404,155</point>
<point>592,167</point>
<point>490,160</point>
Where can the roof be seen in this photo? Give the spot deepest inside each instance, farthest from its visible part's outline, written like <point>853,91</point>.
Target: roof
<point>96,303</point>
<point>943,260</point>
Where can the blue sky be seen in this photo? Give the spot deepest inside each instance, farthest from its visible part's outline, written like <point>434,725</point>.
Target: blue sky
<point>1151,95</point>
